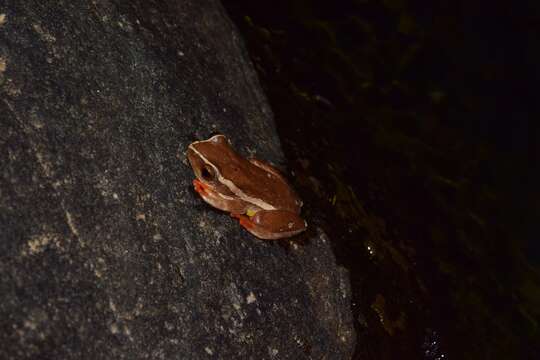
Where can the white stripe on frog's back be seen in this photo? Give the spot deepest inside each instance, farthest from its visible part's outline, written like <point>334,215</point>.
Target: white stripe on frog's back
<point>228,183</point>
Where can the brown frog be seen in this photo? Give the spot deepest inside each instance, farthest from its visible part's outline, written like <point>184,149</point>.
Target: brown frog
<point>250,190</point>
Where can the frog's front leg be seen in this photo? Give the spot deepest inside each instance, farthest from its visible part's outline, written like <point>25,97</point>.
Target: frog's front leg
<point>272,224</point>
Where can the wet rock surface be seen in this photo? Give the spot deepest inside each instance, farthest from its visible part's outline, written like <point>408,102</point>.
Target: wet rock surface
<point>105,250</point>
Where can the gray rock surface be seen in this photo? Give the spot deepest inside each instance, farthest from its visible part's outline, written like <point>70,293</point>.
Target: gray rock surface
<point>106,252</point>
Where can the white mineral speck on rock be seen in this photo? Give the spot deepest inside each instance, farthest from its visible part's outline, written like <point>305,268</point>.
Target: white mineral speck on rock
<point>273,352</point>
<point>39,243</point>
<point>140,216</point>
<point>251,298</point>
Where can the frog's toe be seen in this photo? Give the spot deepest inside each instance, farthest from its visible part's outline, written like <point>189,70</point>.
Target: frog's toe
<point>244,221</point>
<point>199,187</point>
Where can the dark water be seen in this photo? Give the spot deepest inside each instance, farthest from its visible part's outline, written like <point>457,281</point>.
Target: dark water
<point>412,137</point>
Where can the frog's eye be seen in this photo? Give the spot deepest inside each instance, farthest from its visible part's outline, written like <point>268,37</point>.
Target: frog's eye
<point>208,173</point>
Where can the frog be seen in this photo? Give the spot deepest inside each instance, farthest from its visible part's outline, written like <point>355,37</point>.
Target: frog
<point>250,190</point>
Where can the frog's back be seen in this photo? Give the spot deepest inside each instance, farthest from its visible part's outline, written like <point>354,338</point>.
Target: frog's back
<point>265,189</point>
<point>262,188</point>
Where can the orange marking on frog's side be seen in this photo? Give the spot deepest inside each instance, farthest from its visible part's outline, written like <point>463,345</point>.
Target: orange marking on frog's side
<point>199,187</point>
<point>244,220</point>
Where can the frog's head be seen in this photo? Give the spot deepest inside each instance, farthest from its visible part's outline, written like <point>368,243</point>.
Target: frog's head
<point>207,158</point>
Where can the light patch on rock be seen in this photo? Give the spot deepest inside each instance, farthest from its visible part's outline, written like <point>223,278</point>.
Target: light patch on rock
<point>217,236</point>
<point>104,186</point>
<point>12,89</point>
<point>30,325</point>
<point>3,65</point>
<point>125,25</point>
<point>112,306</point>
<point>272,352</point>
<point>37,244</point>
<point>44,34</point>
<point>100,267</point>
<point>251,298</point>
<point>209,351</point>
<point>202,224</point>
<point>37,122</point>
<point>45,164</point>
<point>71,224</point>
<point>140,216</point>
<point>35,318</point>
<point>127,332</point>
<point>3,19</point>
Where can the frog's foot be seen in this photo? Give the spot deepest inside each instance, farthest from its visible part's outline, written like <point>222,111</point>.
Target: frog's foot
<point>243,220</point>
<point>272,224</point>
<point>199,187</point>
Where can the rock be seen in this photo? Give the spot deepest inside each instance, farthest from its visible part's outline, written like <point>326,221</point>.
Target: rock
<point>105,249</point>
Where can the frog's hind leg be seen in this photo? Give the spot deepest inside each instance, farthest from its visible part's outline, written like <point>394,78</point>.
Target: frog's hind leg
<point>272,224</point>
<point>271,169</point>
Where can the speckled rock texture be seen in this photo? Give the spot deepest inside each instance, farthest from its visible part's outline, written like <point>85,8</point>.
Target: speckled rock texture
<point>106,252</point>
